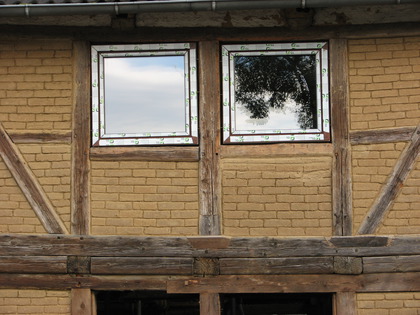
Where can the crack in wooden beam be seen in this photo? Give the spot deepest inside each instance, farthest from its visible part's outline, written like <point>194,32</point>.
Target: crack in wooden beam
<point>395,182</point>
<point>29,185</point>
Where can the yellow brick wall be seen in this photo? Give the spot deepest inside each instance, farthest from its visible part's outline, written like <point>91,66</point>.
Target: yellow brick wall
<point>286,196</point>
<point>384,82</point>
<point>36,85</point>
<point>50,163</point>
<point>34,302</point>
<point>404,215</point>
<point>16,215</point>
<point>144,198</point>
<point>371,166</point>
<point>405,303</point>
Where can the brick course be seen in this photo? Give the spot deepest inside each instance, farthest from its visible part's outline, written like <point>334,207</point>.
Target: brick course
<point>34,302</point>
<point>36,85</point>
<point>277,197</point>
<point>384,84</point>
<point>144,198</point>
<point>392,303</point>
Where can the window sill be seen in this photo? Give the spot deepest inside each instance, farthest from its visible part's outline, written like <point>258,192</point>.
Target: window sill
<point>178,154</point>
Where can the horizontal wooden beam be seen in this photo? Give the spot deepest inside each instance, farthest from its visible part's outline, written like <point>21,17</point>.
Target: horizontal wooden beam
<point>111,35</point>
<point>184,154</point>
<point>41,137</point>
<point>33,264</point>
<point>292,265</point>
<point>378,282</point>
<point>391,264</point>
<point>381,135</point>
<point>142,265</point>
<point>220,247</point>
<point>298,283</point>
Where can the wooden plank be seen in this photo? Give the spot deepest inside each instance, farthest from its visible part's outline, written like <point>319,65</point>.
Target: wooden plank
<point>142,265</point>
<point>377,282</point>
<point>381,135</point>
<point>29,185</point>
<point>391,264</point>
<point>381,282</point>
<point>258,247</point>
<point>10,32</point>
<point>81,302</point>
<point>66,282</point>
<point>41,137</point>
<point>392,187</point>
<point>80,188</point>
<point>209,111</point>
<point>33,264</point>
<point>184,154</point>
<point>345,303</point>
<point>210,304</point>
<point>262,266</point>
<point>341,172</point>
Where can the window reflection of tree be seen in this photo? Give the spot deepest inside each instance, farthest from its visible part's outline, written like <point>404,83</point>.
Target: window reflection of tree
<point>264,82</point>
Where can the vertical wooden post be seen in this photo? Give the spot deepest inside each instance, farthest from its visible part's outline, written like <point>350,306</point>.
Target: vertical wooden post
<point>341,177</point>
<point>81,302</point>
<point>209,304</point>
<point>345,303</point>
<point>209,180</point>
<point>80,208</point>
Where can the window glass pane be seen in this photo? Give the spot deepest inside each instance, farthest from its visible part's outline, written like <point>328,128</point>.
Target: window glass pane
<point>144,94</point>
<point>273,91</point>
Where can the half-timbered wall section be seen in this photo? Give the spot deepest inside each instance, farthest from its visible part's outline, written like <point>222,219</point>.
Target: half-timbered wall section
<point>340,216</point>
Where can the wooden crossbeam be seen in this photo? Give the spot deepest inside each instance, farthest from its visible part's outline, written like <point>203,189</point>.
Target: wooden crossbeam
<point>258,247</point>
<point>381,136</point>
<point>392,187</point>
<point>29,185</point>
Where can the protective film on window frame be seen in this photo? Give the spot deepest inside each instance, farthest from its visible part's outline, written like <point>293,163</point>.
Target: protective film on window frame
<point>144,94</point>
<point>275,92</point>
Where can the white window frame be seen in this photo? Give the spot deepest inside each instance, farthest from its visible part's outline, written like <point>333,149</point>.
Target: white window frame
<point>187,137</point>
<point>231,135</point>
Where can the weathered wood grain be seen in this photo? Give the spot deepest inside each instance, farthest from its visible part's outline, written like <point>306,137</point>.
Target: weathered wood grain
<point>377,282</point>
<point>41,137</point>
<point>292,265</point>
<point>381,135</point>
<point>120,246</point>
<point>28,183</point>
<point>391,264</point>
<point>341,172</point>
<point>166,154</point>
<point>298,283</point>
<point>210,304</point>
<point>392,187</point>
<point>142,266</point>
<point>345,303</point>
<point>153,34</point>
<point>81,302</point>
<point>80,169</point>
<point>33,264</point>
<point>209,176</point>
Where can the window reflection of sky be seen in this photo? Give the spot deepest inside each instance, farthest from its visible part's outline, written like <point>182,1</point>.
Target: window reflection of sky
<point>285,119</point>
<point>144,94</point>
